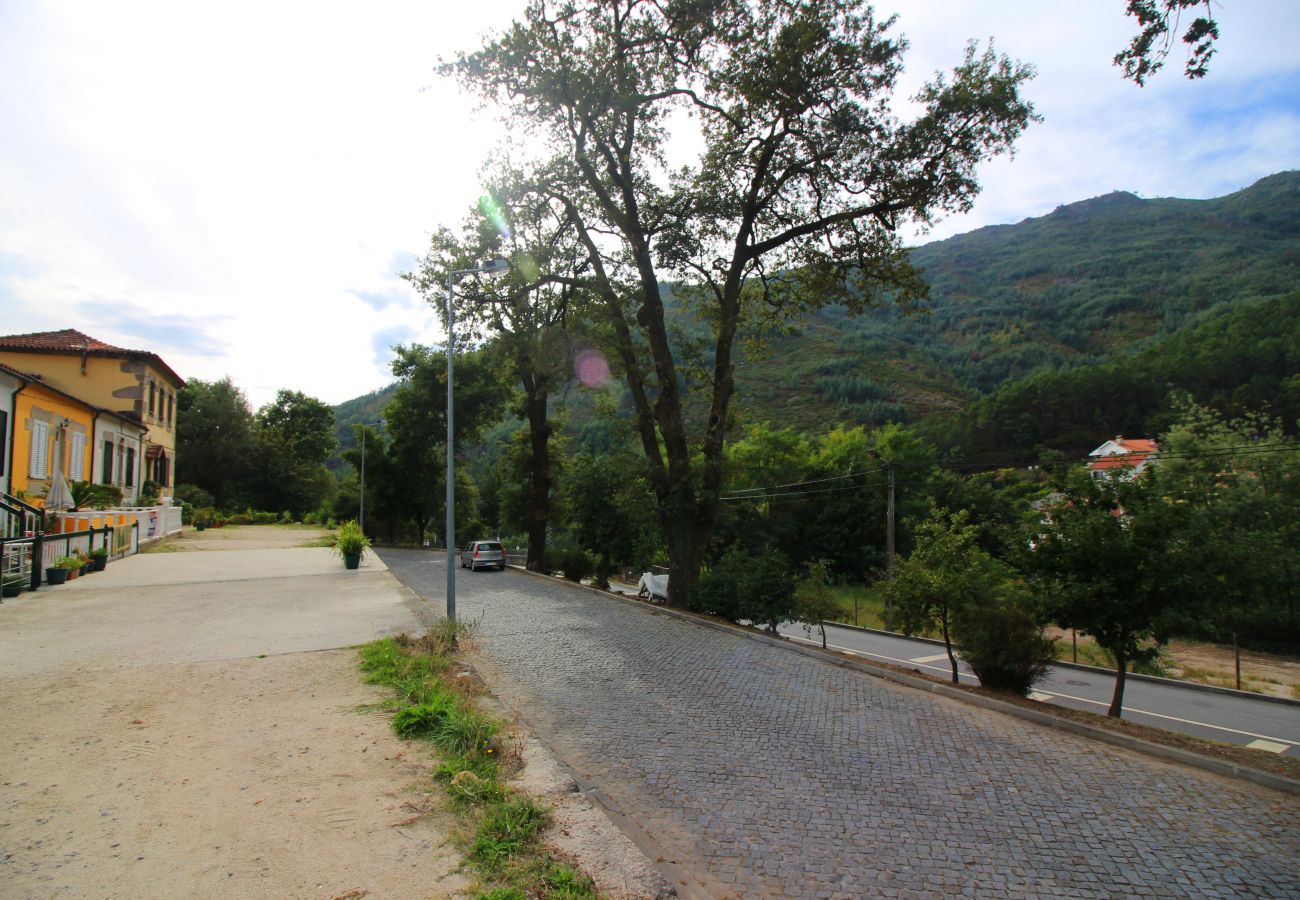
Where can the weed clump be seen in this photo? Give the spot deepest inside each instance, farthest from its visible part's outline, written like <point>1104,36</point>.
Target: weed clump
<point>503,826</point>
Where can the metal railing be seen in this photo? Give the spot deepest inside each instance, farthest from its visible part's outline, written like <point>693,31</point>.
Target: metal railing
<point>19,519</point>
<point>31,556</point>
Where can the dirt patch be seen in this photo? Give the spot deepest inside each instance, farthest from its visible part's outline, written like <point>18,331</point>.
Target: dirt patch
<point>1270,674</point>
<point>241,537</point>
<point>242,778</point>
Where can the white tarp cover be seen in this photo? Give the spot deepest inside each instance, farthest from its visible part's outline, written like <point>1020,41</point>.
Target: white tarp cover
<point>653,586</point>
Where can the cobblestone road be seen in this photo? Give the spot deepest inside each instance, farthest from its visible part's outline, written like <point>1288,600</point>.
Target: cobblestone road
<point>767,773</point>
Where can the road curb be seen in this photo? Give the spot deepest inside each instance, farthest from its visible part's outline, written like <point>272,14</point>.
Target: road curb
<point>1041,717</point>
<point>1132,676</point>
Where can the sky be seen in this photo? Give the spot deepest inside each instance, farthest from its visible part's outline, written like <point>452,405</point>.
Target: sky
<point>238,187</point>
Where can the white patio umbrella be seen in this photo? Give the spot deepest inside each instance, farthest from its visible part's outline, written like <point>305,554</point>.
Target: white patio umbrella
<point>59,496</point>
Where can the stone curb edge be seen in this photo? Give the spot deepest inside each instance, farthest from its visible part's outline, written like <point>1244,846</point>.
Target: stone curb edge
<point>1169,754</point>
<point>1154,679</point>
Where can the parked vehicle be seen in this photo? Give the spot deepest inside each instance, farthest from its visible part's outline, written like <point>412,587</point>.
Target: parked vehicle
<point>483,554</point>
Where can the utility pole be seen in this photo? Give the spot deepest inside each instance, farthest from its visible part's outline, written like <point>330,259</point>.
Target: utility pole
<point>889,524</point>
<point>889,548</point>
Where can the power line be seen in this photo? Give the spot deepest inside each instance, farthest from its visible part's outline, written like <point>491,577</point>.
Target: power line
<point>772,487</point>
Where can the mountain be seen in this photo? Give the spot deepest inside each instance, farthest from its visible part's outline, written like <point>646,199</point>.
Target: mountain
<point>1089,281</point>
<point>1098,281</point>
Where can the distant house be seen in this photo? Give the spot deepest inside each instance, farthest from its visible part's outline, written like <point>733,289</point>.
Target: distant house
<point>136,389</point>
<point>1122,457</point>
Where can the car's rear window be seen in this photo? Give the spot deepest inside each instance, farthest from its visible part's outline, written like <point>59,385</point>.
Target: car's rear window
<point>488,545</point>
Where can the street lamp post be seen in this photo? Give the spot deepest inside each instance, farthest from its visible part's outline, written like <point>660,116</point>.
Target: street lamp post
<point>492,266</point>
<point>364,426</point>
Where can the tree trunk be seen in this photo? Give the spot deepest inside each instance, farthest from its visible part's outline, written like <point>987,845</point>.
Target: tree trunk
<point>947,645</point>
<point>539,486</point>
<point>1117,699</point>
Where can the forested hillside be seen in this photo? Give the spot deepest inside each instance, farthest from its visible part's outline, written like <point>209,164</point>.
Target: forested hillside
<point>1090,281</point>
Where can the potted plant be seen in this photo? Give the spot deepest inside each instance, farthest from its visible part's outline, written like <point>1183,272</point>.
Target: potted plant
<point>12,584</point>
<point>84,560</point>
<point>99,559</point>
<point>62,569</point>
<point>351,543</point>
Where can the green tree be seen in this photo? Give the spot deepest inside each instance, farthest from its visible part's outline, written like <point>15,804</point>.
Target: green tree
<point>1114,560</point>
<point>525,312</point>
<point>416,421</point>
<point>295,438</point>
<point>215,446</point>
<point>1240,481</point>
<point>609,506</point>
<point>813,601</point>
<point>804,180</point>
<point>946,576</point>
<point>1158,24</point>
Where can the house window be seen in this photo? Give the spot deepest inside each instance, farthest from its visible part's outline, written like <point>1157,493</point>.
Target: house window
<point>153,398</point>
<point>40,452</point>
<point>4,438</point>
<point>171,409</point>
<point>130,467</point>
<point>106,465</point>
<point>77,456</point>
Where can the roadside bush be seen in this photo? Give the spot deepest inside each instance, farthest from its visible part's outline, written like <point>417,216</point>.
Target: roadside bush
<point>194,495</point>
<point>574,564</point>
<point>746,586</point>
<point>1005,647</point>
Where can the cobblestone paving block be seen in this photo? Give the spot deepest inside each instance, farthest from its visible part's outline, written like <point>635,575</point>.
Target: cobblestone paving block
<point>783,775</point>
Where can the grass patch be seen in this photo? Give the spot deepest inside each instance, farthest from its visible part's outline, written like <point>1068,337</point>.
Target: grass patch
<point>501,827</point>
<point>322,540</point>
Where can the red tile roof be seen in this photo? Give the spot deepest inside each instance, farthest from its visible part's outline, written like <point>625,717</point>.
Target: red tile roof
<point>1137,445</point>
<point>69,340</point>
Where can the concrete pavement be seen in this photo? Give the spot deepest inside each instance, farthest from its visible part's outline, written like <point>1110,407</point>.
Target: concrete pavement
<point>192,606</point>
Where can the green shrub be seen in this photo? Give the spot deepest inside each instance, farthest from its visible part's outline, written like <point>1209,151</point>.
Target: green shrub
<point>1004,646</point>
<point>506,828</point>
<point>311,519</point>
<point>286,518</point>
<point>574,565</point>
<point>351,540</point>
<point>746,586</point>
<point>425,718</point>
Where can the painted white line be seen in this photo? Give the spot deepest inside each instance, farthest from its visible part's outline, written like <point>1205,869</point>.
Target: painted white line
<point>1143,712</point>
<point>1041,697</point>
<point>935,658</point>
<point>1269,746</point>
<point>1050,695</point>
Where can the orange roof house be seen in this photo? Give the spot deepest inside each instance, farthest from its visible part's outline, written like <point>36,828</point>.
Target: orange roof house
<point>135,385</point>
<point>1122,456</point>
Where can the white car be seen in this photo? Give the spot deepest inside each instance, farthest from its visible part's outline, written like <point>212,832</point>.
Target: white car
<point>483,555</point>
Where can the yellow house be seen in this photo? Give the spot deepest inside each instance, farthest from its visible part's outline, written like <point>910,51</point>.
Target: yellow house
<point>135,386</point>
<point>48,425</point>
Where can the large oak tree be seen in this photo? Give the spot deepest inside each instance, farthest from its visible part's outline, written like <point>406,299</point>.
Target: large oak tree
<point>804,175</point>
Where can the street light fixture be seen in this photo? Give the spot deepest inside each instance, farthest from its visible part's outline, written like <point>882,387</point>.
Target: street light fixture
<point>491,267</point>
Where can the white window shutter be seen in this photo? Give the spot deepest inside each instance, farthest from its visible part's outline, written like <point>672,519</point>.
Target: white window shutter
<point>39,456</point>
<point>77,457</point>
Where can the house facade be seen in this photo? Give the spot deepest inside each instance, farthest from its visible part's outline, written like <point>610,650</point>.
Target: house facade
<point>134,438</point>
<point>9,383</point>
<point>50,429</point>
<point>1122,457</point>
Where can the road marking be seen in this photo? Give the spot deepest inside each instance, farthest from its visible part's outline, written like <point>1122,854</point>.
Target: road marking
<point>1269,746</point>
<point>1041,697</point>
<point>935,658</point>
<point>1250,734</point>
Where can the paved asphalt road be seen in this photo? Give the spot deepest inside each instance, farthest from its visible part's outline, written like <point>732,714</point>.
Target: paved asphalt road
<point>762,772</point>
<point>1231,718</point>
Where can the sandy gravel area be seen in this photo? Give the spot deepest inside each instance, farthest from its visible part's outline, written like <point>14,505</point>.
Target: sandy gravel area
<point>243,778</point>
<point>241,537</point>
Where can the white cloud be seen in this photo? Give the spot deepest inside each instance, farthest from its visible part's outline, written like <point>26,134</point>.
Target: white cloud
<point>237,181</point>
